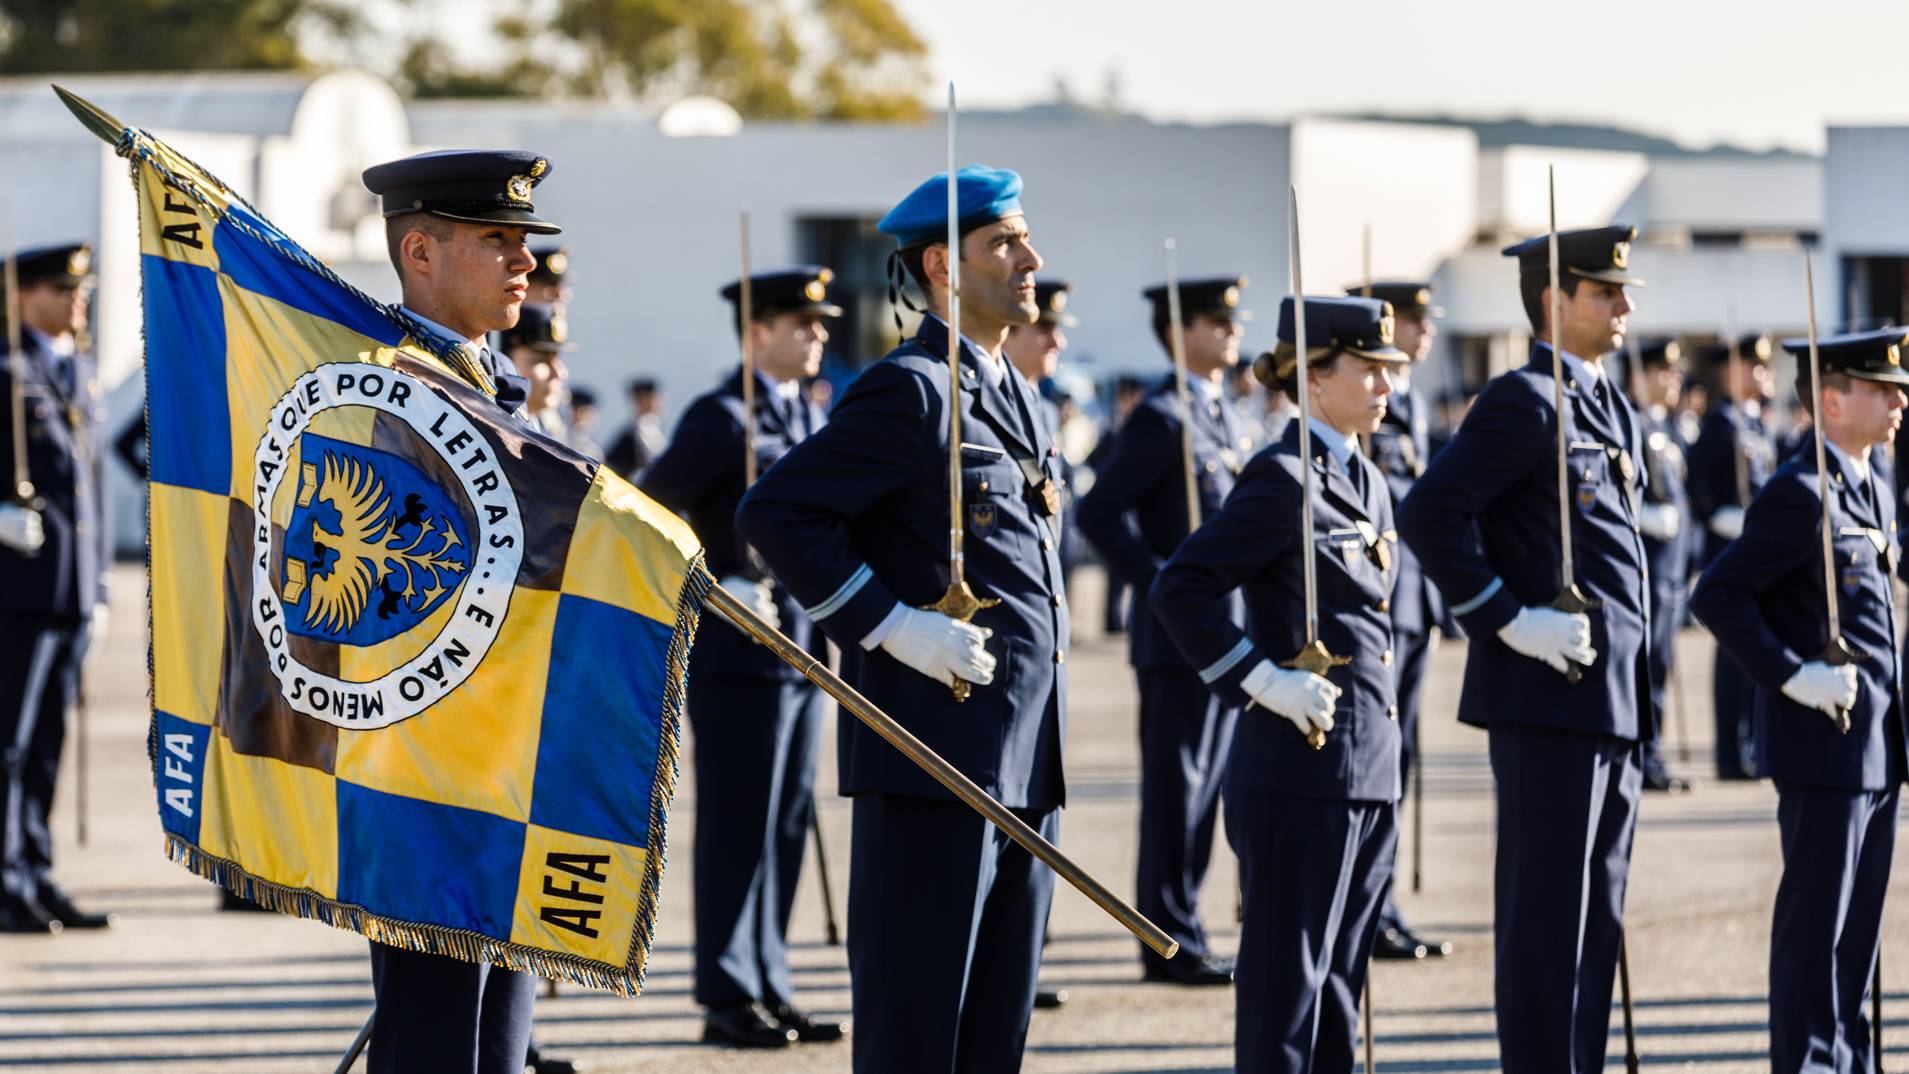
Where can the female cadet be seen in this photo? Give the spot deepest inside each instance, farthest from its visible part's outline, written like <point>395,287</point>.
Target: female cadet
<point>1315,829</point>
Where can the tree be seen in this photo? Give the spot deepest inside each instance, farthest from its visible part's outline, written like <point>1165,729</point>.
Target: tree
<point>164,35</point>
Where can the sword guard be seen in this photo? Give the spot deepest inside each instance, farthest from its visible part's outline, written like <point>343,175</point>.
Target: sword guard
<point>1839,654</point>
<point>959,602</point>
<point>1574,602</point>
<point>1316,658</point>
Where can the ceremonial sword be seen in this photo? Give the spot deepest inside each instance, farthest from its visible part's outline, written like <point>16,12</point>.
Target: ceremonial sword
<point>1837,653</point>
<point>21,491</point>
<point>959,602</point>
<point>1570,599</point>
<point>1178,335</point>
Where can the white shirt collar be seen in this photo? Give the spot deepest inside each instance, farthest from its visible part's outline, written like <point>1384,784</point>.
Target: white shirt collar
<point>1592,372</point>
<point>993,368</point>
<point>1847,463</point>
<point>60,347</point>
<point>1339,444</point>
<point>478,344</point>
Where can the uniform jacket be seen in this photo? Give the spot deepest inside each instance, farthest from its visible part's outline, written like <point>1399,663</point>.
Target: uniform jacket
<point>700,475</point>
<point>1484,522</point>
<point>1727,430</point>
<point>66,578</point>
<point>1401,448</point>
<point>1135,515</point>
<point>855,518</point>
<point>1666,463</point>
<point>1763,599</point>
<point>1251,548</point>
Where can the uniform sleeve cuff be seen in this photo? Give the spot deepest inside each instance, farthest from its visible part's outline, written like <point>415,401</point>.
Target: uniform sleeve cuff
<point>883,629</point>
<point>1483,615</point>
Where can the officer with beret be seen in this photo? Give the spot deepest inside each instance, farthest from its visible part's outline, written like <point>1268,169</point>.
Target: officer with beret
<point>1401,447</point>
<point>945,914</point>
<point>1734,455</point>
<point>757,721</point>
<point>1483,520</point>
<point>1837,790</point>
<point>535,346</point>
<point>1316,831</point>
<point>1135,516</point>
<point>456,225</point>
<point>55,552</point>
<point>1664,519</point>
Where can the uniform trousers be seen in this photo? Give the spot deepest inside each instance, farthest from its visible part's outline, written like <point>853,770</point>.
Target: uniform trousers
<point>1733,696</point>
<point>1666,617</point>
<point>441,1015</point>
<point>1314,873</point>
<point>1837,848</point>
<point>1185,736</point>
<point>1414,652</point>
<point>756,741</point>
<point>945,918</point>
<point>1567,811</point>
<point>39,679</point>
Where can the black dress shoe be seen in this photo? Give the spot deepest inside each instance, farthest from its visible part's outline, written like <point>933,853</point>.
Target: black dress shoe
<point>1659,779</point>
<point>1192,970</point>
<point>1432,948</point>
<point>1047,1000</point>
<point>1398,945</point>
<point>61,909</point>
<point>807,1030</point>
<point>238,903</point>
<point>745,1026</point>
<point>25,917</point>
<point>539,1063</point>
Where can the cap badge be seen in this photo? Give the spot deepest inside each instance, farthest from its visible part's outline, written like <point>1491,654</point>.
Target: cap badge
<point>1895,355</point>
<point>557,263</point>
<point>1057,301</point>
<point>79,262</point>
<point>1386,324</point>
<point>538,167</point>
<point>1763,347</point>
<point>1424,296</point>
<point>826,275</point>
<point>559,328</point>
<point>518,188</point>
<point>815,290</point>
<point>1621,255</point>
<point>1672,352</point>
<point>1230,297</point>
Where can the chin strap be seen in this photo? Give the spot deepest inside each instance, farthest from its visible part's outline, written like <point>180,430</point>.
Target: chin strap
<point>898,290</point>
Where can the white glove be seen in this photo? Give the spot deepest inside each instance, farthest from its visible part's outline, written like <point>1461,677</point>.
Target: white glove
<point>20,528</point>
<point>941,647</point>
<point>1659,521</point>
<point>1727,523</point>
<point>1557,638</point>
<point>1308,700</point>
<point>1823,686</point>
<point>756,595</point>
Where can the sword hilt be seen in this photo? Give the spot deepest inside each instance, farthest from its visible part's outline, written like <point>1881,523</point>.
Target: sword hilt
<point>959,602</point>
<point>1316,658</point>
<point>1839,654</point>
<point>1573,602</point>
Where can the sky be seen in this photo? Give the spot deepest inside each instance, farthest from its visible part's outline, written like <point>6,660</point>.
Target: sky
<point>1753,73</point>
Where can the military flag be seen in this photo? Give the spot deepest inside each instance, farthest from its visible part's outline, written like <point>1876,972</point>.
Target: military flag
<point>417,670</point>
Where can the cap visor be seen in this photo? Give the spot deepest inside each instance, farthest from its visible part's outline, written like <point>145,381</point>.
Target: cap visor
<point>1382,354</point>
<point>1893,377</point>
<point>1062,319</point>
<point>1610,277</point>
<point>522,218</point>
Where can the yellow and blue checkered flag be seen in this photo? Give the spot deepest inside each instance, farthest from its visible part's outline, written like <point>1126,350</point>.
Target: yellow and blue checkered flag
<point>417,671</point>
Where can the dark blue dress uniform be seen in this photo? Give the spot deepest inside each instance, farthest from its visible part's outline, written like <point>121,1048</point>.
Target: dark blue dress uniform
<point>945,913</point>
<point>1666,466</point>
<point>436,1014</point>
<point>1484,522</point>
<point>1401,448</point>
<point>1316,831</point>
<point>757,720</point>
<point>1729,432</point>
<point>1837,794</point>
<point>1135,516</point>
<point>47,598</point>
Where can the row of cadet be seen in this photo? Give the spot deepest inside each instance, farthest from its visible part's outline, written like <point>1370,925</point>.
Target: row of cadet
<point>843,536</point>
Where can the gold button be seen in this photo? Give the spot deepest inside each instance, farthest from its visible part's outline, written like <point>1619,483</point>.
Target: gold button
<point>1057,600</point>
<point>1386,658</point>
<point>1060,657</point>
<point>1392,712</point>
<point>1046,546</point>
<point>1385,605</point>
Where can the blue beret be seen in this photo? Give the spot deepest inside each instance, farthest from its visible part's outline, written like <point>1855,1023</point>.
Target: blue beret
<point>982,194</point>
<point>1360,325</point>
<point>1872,355</point>
<point>479,186</point>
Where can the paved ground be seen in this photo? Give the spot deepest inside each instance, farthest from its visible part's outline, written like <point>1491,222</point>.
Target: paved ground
<point>179,987</point>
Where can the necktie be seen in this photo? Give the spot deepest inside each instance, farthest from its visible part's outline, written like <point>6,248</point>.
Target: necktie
<point>1357,473</point>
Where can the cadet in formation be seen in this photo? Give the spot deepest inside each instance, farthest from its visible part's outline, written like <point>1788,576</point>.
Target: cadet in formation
<point>945,913</point>
<point>1838,788</point>
<point>456,224</point>
<point>1734,455</point>
<point>1316,831</point>
<point>757,721</point>
<point>55,554</point>
<point>1135,516</point>
<point>1664,519</point>
<point>1564,755</point>
<point>535,347</point>
<point>1401,448</point>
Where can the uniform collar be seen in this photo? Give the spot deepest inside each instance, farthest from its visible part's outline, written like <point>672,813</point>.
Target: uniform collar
<point>60,347</point>
<point>1577,368</point>
<point>476,344</point>
<point>1337,443</point>
<point>1855,474</point>
<point>992,368</point>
